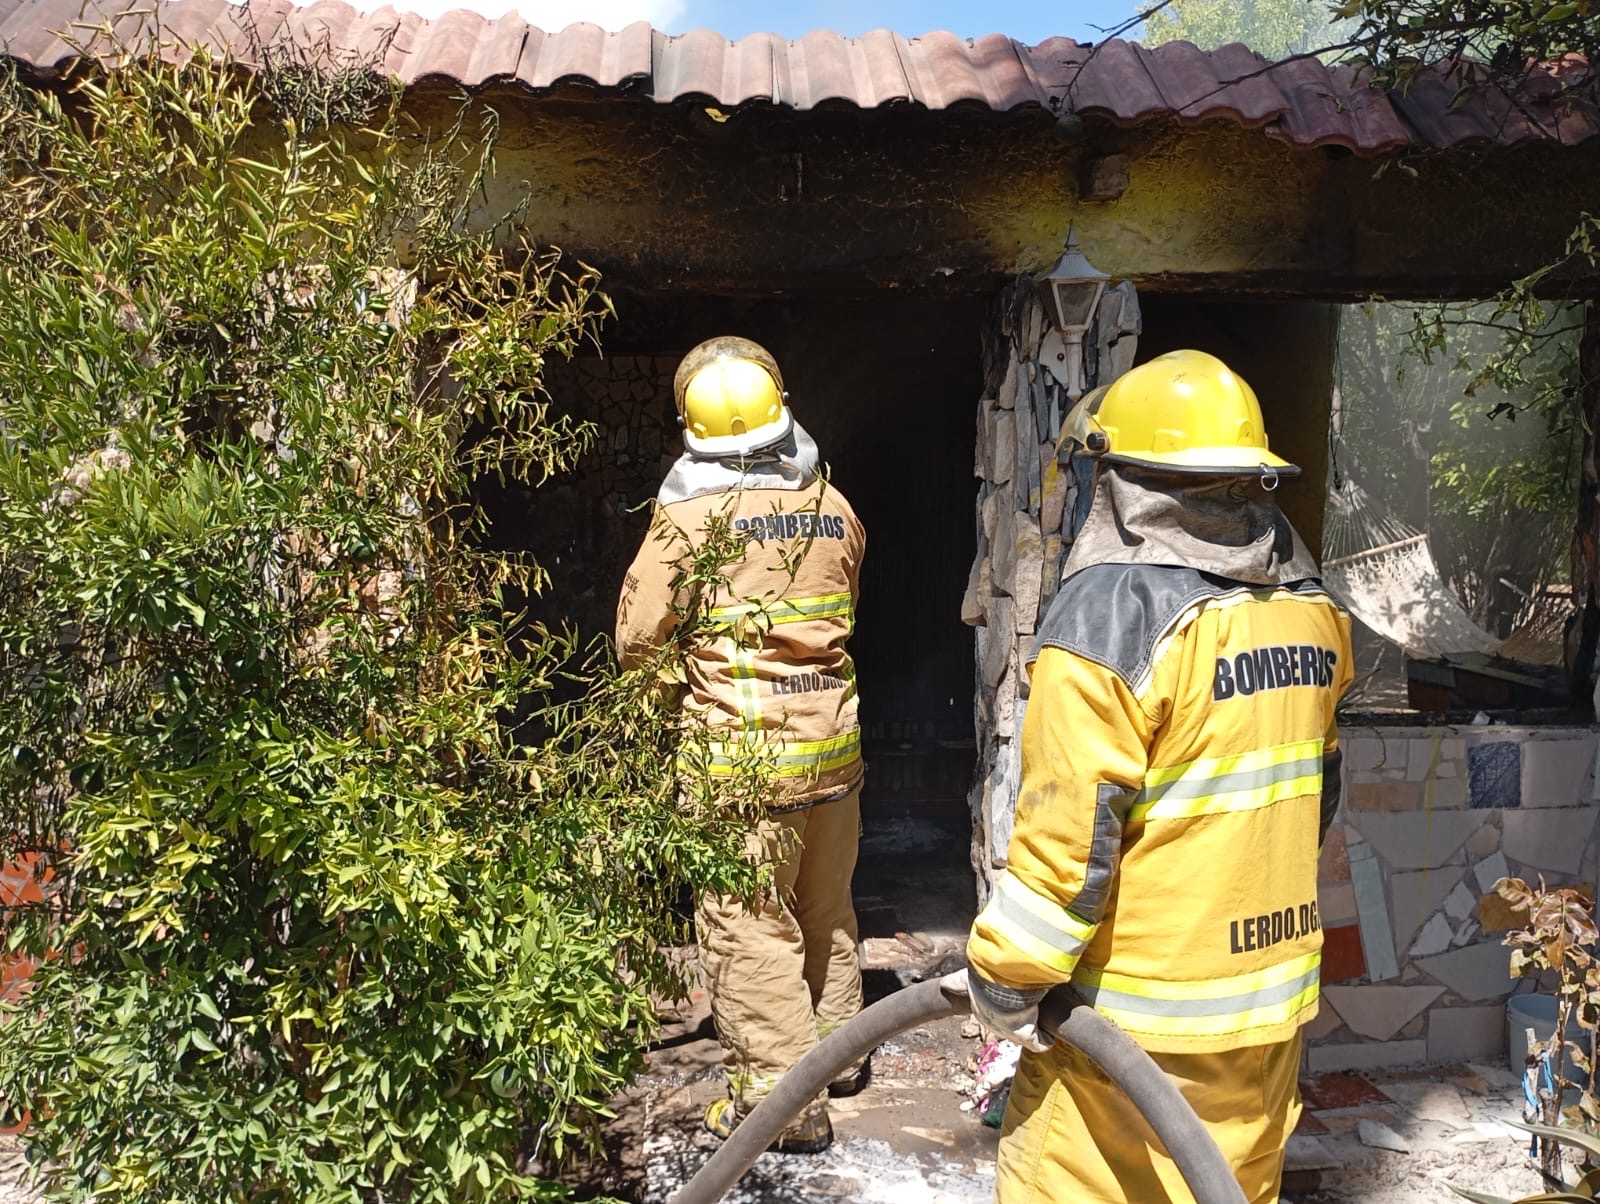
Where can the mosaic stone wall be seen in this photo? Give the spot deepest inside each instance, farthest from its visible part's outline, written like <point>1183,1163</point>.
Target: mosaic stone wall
<point>1413,967</point>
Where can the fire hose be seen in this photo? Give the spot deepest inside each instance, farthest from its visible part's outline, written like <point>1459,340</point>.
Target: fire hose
<point>1199,1160</point>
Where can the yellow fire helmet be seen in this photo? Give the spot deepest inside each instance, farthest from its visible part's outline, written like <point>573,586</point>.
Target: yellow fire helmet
<point>1184,411</point>
<point>730,398</point>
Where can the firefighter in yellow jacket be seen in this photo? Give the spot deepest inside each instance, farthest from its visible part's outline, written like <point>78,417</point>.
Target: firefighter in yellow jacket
<point>786,973</point>
<point>1179,771</point>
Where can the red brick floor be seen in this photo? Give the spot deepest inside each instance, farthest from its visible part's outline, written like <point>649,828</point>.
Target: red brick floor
<point>1339,1089</point>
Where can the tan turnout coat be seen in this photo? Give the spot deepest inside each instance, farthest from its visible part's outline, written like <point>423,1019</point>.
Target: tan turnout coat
<point>775,666</point>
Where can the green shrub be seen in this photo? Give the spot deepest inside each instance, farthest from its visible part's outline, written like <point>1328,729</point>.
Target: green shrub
<point>363,891</point>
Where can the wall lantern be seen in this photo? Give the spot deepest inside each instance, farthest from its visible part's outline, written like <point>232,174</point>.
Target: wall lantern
<point>1070,292</point>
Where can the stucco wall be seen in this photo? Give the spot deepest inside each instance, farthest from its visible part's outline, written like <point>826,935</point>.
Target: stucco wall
<point>958,201</point>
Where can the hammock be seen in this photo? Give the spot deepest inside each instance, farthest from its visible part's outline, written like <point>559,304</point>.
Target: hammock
<point>1383,572</point>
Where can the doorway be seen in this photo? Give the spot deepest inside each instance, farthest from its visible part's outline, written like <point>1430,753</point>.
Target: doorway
<point>885,386</point>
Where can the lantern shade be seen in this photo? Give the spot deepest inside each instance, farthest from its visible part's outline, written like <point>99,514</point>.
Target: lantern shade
<point>1071,290</point>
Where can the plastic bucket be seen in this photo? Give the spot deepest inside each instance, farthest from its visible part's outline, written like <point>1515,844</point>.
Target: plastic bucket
<point>1537,1012</point>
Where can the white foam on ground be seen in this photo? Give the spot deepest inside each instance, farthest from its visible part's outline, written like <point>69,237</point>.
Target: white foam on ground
<point>859,1169</point>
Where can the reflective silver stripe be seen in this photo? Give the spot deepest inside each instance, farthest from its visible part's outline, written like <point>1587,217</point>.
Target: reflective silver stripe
<point>1229,783</point>
<point>742,667</point>
<point>1035,926</point>
<point>790,758</point>
<point>788,610</point>
<point>1224,1005</point>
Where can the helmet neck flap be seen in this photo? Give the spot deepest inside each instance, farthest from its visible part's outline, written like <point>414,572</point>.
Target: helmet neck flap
<point>1229,526</point>
<point>792,464</point>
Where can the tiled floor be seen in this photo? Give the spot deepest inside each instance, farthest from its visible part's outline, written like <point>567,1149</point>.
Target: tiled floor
<point>1311,1125</point>
<point>1447,1123</point>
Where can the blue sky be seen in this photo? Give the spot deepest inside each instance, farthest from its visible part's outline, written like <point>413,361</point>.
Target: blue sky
<point>1029,20</point>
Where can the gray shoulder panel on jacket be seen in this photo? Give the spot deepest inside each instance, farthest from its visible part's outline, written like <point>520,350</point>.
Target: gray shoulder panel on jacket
<point>1116,614</point>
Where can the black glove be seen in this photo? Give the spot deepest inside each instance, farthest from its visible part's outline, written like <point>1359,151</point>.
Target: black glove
<point>1008,1012</point>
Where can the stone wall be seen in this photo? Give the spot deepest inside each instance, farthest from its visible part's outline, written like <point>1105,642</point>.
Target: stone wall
<point>584,526</point>
<point>1025,492</point>
<point>1414,969</point>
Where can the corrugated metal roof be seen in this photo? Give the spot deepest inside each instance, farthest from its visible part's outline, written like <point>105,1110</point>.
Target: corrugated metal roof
<point>1300,101</point>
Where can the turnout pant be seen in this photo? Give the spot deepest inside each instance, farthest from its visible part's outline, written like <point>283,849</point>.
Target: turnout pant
<point>1070,1134</point>
<point>787,972</point>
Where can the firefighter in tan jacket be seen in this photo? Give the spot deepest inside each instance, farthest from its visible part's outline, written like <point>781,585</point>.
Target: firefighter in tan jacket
<point>787,973</point>
<point>1179,770</point>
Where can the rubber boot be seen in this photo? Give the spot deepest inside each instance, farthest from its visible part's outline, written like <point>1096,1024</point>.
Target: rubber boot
<point>811,1133</point>
<point>852,1081</point>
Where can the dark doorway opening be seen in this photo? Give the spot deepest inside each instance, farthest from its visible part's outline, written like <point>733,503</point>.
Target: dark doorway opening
<point>887,387</point>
